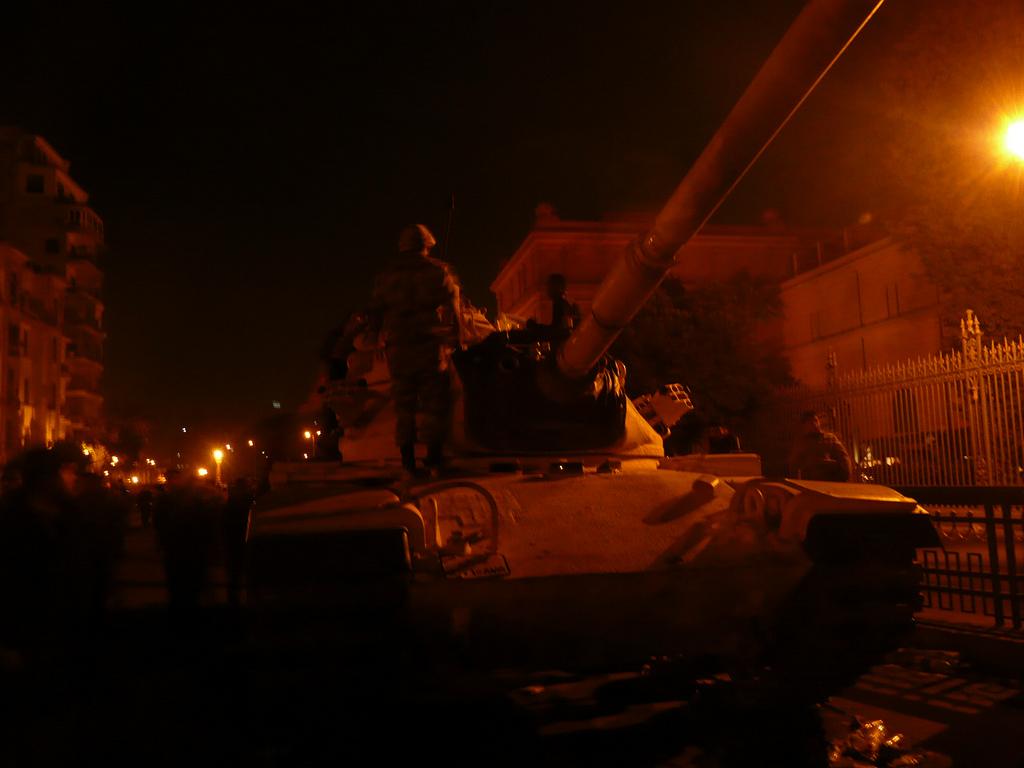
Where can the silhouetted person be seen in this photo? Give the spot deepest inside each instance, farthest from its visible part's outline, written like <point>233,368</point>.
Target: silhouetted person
<point>565,315</point>
<point>721,439</point>
<point>188,527</point>
<point>57,549</point>
<point>33,520</point>
<point>688,435</point>
<point>415,308</point>
<point>237,513</point>
<point>334,354</point>
<point>145,501</point>
<point>818,455</point>
<point>102,522</point>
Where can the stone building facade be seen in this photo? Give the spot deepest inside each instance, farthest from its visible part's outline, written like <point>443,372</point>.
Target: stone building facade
<point>51,242</point>
<point>853,297</point>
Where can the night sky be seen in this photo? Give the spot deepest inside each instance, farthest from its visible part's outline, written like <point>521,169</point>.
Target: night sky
<point>254,163</point>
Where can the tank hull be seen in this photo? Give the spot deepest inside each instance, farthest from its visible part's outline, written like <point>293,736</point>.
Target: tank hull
<point>601,570</point>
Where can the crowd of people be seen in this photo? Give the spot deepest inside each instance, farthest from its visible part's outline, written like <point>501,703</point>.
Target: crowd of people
<point>62,535</point>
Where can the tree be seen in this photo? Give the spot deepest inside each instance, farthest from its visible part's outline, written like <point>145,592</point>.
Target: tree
<point>950,87</point>
<point>130,439</point>
<point>710,338</point>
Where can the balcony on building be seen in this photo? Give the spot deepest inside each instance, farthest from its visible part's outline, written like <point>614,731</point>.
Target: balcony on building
<point>38,309</point>
<point>81,317</point>
<point>81,218</point>
<point>85,253</point>
<point>85,349</point>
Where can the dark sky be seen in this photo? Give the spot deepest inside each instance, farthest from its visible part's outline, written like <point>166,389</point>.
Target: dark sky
<point>253,163</point>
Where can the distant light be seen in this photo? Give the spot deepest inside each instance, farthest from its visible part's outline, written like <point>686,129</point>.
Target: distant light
<point>202,472</point>
<point>218,455</point>
<point>86,452</point>
<point>1014,140</point>
<point>276,403</point>
<point>228,446</point>
<point>318,433</point>
<point>161,479</point>
<point>305,455</point>
<point>251,443</point>
<point>135,479</point>
<point>307,434</point>
<point>183,429</point>
<point>114,460</point>
<point>106,473</point>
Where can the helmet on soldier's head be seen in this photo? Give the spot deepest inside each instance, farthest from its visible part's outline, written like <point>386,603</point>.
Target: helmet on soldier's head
<point>415,237</point>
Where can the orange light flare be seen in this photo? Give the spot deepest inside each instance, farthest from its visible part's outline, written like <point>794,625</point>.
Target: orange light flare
<point>1013,140</point>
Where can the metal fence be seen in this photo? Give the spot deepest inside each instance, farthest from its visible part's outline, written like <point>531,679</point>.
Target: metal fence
<point>976,574</point>
<point>951,419</point>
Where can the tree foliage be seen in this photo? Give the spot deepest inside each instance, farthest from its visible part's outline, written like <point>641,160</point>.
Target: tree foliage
<point>951,85</point>
<point>712,339</point>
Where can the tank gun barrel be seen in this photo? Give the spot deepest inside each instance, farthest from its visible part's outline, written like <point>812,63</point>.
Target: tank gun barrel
<point>813,43</point>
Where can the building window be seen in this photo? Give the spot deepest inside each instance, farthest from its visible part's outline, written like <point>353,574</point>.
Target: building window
<point>815,325</point>
<point>892,299</point>
<point>53,245</point>
<point>34,184</point>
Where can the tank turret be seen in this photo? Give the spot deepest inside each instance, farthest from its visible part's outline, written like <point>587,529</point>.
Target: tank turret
<point>528,392</point>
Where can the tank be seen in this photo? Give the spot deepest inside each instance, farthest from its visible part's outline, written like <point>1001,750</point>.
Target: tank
<point>565,537</point>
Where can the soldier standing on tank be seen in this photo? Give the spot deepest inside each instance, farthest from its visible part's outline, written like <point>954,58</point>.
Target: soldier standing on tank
<point>415,310</point>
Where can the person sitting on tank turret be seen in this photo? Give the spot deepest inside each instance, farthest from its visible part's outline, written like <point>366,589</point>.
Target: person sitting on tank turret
<point>565,315</point>
<point>415,309</point>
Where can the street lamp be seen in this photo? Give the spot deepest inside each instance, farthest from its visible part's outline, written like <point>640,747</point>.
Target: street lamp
<point>218,456</point>
<point>1014,139</point>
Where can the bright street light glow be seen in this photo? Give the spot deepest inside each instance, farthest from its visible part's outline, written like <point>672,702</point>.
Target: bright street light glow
<point>251,443</point>
<point>307,434</point>
<point>135,479</point>
<point>1015,139</point>
<point>218,455</point>
<point>202,472</point>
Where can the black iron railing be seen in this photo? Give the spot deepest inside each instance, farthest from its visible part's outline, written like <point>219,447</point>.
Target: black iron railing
<point>976,573</point>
